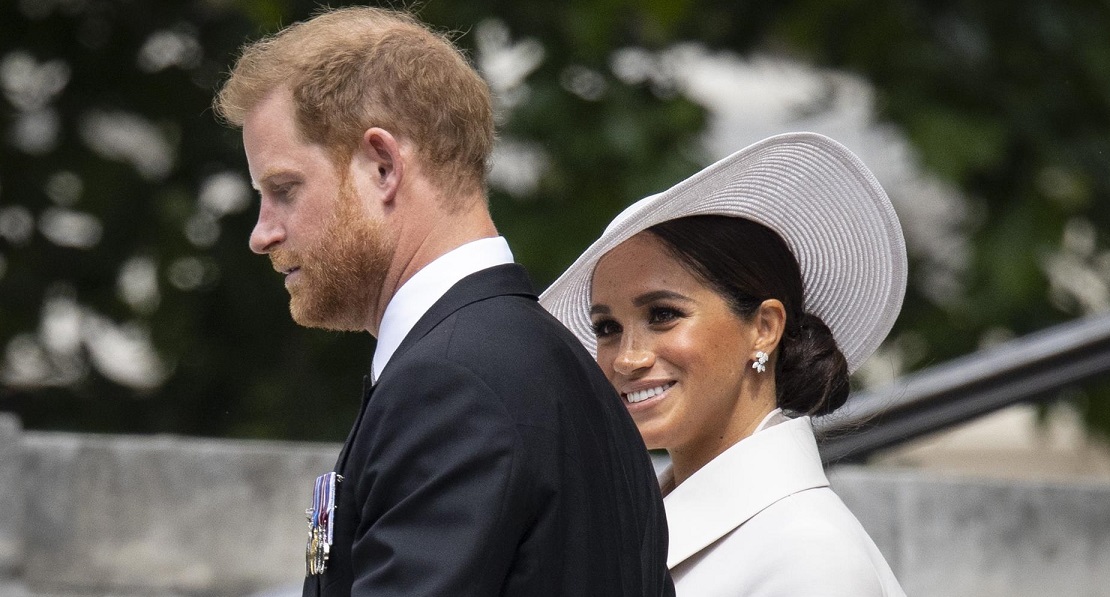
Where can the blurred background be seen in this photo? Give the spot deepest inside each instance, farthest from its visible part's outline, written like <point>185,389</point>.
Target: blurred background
<point>130,303</point>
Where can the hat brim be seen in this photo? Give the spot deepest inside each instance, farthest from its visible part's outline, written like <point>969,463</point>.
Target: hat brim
<point>824,203</point>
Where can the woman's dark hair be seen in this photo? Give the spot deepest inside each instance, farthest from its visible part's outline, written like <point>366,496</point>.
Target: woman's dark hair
<point>747,263</point>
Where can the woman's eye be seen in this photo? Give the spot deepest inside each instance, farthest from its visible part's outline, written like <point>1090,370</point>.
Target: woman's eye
<point>605,327</point>
<point>663,315</point>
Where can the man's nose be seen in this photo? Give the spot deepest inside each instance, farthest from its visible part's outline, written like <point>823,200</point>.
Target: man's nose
<point>268,232</point>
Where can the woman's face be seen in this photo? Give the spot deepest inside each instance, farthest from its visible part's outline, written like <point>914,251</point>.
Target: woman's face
<point>674,350</point>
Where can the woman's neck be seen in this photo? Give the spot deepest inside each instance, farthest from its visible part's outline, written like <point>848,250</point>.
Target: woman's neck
<point>689,459</point>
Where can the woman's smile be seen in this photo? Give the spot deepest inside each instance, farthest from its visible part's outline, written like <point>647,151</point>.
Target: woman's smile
<point>637,396</point>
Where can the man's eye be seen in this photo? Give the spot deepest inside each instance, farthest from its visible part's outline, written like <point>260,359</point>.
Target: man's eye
<point>282,192</point>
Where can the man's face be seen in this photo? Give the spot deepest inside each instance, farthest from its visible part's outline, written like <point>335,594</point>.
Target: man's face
<point>317,230</point>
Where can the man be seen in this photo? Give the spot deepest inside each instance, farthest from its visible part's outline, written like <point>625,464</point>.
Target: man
<point>490,456</point>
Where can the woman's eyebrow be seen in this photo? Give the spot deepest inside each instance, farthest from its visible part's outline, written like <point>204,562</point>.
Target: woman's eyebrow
<point>644,299</point>
<point>655,295</point>
<point>599,310</point>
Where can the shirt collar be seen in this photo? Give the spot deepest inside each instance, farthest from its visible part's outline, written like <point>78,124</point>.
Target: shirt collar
<point>413,299</point>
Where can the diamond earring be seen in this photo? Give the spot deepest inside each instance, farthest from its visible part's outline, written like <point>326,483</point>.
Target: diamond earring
<point>760,364</point>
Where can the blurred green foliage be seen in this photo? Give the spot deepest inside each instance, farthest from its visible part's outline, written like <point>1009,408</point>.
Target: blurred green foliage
<point>1008,102</point>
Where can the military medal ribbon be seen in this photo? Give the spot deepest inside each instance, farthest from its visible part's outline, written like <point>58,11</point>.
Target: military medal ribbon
<point>321,523</point>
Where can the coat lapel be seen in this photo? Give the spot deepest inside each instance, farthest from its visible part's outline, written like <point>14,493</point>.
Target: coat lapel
<point>508,279</point>
<point>753,474</point>
<point>367,390</point>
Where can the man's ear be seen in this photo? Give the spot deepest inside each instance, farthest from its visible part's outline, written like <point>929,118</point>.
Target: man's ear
<point>387,164</point>
<point>769,321</point>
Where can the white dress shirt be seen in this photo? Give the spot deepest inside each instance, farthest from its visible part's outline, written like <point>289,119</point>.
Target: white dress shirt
<point>760,520</point>
<point>413,299</point>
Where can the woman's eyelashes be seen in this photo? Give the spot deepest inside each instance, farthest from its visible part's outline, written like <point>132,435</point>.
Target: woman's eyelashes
<point>605,327</point>
<point>664,314</point>
<point>656,316</point>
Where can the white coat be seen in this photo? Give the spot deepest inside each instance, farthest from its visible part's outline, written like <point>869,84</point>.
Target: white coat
<point>760,520</point>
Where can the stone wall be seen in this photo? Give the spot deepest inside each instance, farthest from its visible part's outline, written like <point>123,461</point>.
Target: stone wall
<point>11,496</point>
<point>94,515</point>
<point>164,515</point>
<point>970,537</point>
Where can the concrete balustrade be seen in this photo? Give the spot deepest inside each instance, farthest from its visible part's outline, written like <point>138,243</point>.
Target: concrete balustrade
<point>164,515</point>
<point>951,536</point>
<point>11,496</point>
<point>98,515</point>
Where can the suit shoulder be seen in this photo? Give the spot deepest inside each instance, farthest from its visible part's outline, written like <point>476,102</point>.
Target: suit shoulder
<point>510,329</point>
<point>527,359</point>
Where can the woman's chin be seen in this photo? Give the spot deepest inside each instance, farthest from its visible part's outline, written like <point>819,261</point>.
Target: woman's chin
<point>653,434</point>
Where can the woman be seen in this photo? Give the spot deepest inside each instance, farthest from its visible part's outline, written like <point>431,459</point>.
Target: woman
<point>726,311</point>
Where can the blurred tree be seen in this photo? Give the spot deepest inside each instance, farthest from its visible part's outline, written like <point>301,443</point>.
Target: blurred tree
<point>125,208</point>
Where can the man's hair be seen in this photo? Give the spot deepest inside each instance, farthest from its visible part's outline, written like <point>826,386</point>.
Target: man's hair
<point>359,67</point>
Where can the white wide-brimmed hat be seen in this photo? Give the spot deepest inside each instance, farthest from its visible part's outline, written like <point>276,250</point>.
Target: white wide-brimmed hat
<point>812,191</point>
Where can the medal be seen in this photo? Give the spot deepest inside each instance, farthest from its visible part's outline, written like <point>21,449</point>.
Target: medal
<point>320,524</point>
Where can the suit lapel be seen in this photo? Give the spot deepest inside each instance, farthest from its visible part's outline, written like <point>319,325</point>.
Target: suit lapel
<point>753,474</point>
<point>501,280</point>
<point>367,390</point>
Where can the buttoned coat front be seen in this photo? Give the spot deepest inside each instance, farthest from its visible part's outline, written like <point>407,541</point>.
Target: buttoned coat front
<point>761,521</point>
<point>492,457</point>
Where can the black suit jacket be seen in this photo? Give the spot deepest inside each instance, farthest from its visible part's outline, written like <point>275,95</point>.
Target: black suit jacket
<point>494,458</point>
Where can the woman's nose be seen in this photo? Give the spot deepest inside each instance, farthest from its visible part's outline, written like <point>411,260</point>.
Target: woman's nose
<point>632,359</point>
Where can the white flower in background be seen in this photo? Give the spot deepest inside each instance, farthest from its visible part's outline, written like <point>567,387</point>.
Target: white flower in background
<point>129,138</point>
<point>69,228</point>
<point>72,337</point>
<point>167,48</point>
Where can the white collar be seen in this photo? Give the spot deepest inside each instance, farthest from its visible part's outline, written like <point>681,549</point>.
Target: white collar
<point>413,299</point>
<point>781,459</point>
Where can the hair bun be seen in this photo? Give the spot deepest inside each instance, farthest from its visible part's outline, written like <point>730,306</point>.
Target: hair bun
<point>812,374</point>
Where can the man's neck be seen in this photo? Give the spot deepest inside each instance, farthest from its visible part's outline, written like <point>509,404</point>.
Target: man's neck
<point>416,296</point>
<point>426,240</point>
